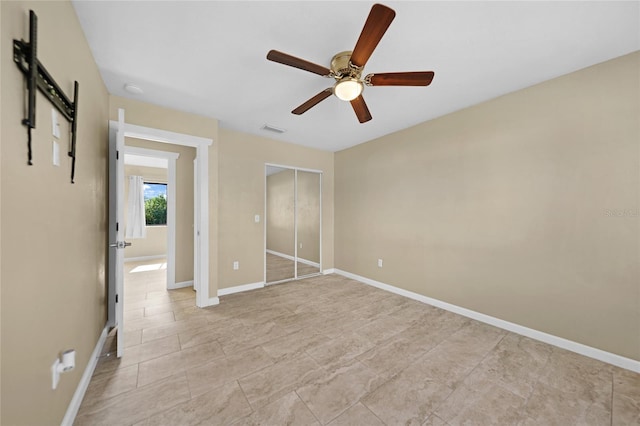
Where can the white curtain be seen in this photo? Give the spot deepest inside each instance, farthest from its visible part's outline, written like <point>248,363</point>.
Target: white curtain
<point>135,209</point>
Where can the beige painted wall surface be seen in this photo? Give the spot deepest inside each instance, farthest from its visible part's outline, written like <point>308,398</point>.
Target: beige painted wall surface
<point>242,195</point>
<point>155,242</point>
<point>143,114</point>
<point>524,208</point>
<point>53,245</point>
<point>280,212</point>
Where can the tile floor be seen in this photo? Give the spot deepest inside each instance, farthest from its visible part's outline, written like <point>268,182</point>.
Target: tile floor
<point>329,350</point>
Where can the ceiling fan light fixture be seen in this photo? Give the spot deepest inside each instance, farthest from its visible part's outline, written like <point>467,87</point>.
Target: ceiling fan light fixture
<point>348,88</point>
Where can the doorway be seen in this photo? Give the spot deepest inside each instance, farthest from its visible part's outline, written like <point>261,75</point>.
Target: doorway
<point>293,223</point>
<point>157,168</point>
<point>118,131</point>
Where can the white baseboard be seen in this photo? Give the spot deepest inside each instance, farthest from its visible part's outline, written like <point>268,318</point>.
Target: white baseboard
<point>182,284</point>
<point>212,301</point>
<point>240,288</point>
<point>301,260</point>
<point>329,271</point>
<point>144,258</point>
<point>591,352</point>
<point>76,400</point>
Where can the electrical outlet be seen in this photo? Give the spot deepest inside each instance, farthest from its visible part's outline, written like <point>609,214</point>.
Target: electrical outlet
<point>236,265</point>
<point>379,263</point>
<point>300,245</point>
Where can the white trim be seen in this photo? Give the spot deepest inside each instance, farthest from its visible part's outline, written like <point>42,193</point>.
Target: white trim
<point>286,280</point>
<point>144,152</point>
<point>172,190</point>
<point>329,271</point>
<point>286,256</point>
<point>76,400</point>
<point>165,136</point>
<point>560,342</point>
<point>144,258</point>
<point>182,284</point>
<point>202,184</point>
<point>292,168</point>
<point>202,188</point>
<point>212,301</point>
<point>240,288</point>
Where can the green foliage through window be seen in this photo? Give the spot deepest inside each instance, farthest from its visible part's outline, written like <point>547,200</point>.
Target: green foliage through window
<point>155,203</point>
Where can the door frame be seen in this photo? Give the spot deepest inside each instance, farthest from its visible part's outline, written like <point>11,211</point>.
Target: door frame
<point>295,218</point>
<point>171,158</point>
<point>201,183</point>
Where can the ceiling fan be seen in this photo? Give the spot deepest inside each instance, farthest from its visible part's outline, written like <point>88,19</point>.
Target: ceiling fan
<point>346,67</point>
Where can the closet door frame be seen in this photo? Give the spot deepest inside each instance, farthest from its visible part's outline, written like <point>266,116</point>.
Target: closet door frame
<point>295,220</point>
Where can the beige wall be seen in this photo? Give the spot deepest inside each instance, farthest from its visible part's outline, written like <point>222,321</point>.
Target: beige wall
<point>155,241</point>
<point>510,207</point>
<point>53,246</point>
<point>241,182</point>
<point>157,117</point>
<point>280,212</point>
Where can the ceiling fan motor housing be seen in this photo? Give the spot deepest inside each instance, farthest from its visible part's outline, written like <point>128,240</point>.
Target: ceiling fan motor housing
<point>341,66</point>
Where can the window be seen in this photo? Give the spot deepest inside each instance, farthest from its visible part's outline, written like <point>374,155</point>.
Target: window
<point>155,203</point>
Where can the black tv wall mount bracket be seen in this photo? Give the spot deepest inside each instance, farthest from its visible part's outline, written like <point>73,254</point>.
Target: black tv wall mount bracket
<point>25,57</point>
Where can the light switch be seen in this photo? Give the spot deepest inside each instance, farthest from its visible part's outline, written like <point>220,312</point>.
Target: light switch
<point>257,218</point>
<point>56,154</point>
<point>55,124</point>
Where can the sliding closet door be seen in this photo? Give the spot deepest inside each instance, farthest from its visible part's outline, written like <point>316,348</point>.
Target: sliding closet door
<point>307,223</point>
<point>280,224</point>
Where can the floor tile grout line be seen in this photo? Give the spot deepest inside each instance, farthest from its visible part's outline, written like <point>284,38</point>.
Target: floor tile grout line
<point>612,390</point>
<point>308,408</point>
<point>369,409</point>
<point>253,410</point>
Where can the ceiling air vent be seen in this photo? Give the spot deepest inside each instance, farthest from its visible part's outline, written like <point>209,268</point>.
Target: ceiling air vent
<point>274,129</point>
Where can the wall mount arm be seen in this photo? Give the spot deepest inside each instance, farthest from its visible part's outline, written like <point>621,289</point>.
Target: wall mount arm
<point>25,57</point>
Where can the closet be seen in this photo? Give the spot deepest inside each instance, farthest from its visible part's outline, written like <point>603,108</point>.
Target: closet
<point>293,223</point>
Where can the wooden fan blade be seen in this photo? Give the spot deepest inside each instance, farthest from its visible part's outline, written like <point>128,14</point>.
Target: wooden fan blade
<point>292,61</point>
<point>313,102</point>
<point>376,25</point>
<point>361,110</point>
<point>417,78</point>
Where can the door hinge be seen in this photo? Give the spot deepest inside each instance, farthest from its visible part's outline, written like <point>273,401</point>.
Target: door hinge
<point>116,298</point>
<point>117,226</point>
<point>117,155</point>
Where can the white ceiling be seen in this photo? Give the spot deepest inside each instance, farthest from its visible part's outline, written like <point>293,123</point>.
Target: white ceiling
<point>208,57</point>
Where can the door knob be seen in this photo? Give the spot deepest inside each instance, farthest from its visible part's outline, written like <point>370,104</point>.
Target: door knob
<point>120,244</point>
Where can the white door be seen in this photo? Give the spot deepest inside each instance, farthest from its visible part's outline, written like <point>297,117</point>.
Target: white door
<point>116,231</point>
